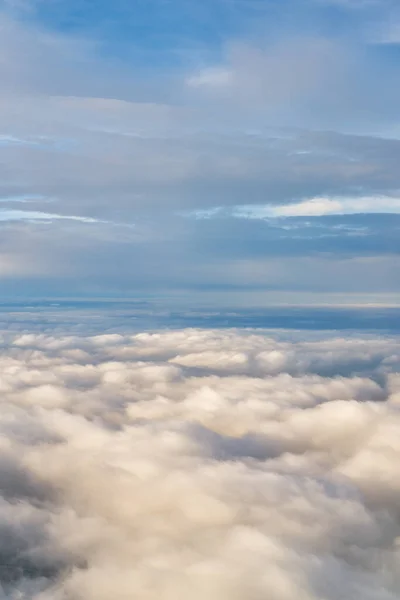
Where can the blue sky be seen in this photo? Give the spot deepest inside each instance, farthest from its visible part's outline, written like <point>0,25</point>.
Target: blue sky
<point>211,149</point>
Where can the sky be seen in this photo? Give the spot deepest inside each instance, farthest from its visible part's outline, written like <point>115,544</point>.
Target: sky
<point>227,150</point>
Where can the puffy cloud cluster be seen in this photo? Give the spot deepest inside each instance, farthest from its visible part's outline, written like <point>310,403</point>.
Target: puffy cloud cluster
<point>201,464</point>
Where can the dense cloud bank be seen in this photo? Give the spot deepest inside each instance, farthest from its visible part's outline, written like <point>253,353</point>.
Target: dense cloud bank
<point>199,464</point>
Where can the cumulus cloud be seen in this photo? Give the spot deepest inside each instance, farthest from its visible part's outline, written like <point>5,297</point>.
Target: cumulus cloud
<point>199,463</point>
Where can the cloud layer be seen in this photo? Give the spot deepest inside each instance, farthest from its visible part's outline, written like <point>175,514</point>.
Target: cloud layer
<point>201,464</point>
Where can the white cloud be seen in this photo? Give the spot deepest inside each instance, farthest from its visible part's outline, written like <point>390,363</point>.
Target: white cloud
<point>198,463</point>
<point>214,77</point>
<point>317,207</point>
<point>30,215</point>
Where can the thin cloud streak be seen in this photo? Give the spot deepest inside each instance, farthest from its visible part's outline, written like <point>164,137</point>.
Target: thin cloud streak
<point>317,207</point>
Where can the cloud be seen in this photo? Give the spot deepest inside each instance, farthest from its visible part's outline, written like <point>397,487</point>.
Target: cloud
<point>303,79</point>
<point>201,463</point>
<point>276,74</point>
<point>28,215</point>
<point>213,77</point>
<point>317,207</point>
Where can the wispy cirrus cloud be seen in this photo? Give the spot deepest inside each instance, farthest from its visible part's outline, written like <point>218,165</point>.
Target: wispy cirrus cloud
<point>31,215</point>
<point>317,207</point>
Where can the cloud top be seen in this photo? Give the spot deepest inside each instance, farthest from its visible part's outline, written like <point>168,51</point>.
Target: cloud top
<point>199,463</point>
